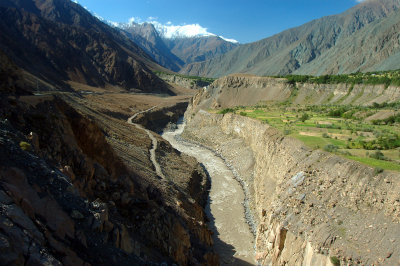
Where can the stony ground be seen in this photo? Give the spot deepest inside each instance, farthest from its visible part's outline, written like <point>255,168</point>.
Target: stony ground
<point>86,164</point>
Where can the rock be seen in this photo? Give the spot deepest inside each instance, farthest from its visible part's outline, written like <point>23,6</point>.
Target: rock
<point>116,238</point>
<point>4,243</point>
<point>125,199</point>
<point>14,213</point>
<point>67,170</point>
<point>108,226</point>
<point>116,196</point>
<point>56,218</point>
<point>77,215</point>
<point>71,259</point>
<point>301,197</point>
<point>80,236</point>
<point>34,138</point>
<point>126,242</point>
<point>4,198</point>
<point>42,257</point>
<point>97,224</point>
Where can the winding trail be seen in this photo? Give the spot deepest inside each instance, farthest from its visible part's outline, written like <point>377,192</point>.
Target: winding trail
<point>153,140</point>
<point>233,240</point>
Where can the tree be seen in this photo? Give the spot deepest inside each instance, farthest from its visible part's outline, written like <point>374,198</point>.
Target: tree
<point>304,117</point>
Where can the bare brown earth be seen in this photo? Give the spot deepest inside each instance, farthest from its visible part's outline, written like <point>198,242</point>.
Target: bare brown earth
<point>84,189</point>
<point>247,90</point>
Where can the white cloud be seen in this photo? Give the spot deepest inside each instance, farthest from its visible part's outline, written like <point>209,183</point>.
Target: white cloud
<point>173,31</point>
<point>134,20</point>
<point>229,40</point>
<point>359,1</point>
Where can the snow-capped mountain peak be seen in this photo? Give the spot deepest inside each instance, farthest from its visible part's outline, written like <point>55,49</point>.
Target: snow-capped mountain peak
<point>170,31</point>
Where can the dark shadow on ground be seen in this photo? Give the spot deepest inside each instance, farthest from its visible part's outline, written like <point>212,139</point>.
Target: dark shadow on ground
<point>224,250</point>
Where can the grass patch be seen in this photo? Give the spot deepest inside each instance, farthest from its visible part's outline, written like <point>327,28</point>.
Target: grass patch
<point>25,146</point>
<point>387,165</point>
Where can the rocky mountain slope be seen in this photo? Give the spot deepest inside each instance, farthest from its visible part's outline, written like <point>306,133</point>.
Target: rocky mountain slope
<point>59,41</point>
<point>196,49</point>
<point>77,184</point>
<point>363,38</point>
<point>174,53</point>
<point>12,79</point>
<point>147,37</point>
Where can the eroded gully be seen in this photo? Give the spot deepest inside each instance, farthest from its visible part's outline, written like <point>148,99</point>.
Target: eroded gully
<point>233,240</point>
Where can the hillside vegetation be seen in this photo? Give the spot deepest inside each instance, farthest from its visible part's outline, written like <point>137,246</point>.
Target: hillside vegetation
<point>391,77</point>
<point>370,135</point>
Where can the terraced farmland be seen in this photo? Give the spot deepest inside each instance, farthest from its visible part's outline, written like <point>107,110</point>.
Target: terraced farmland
<point>370,135</point>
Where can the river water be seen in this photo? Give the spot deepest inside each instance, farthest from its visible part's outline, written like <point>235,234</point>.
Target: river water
<point>233,240</point>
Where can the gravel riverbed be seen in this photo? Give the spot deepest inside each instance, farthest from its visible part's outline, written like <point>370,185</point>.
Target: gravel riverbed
<point>233,240</point>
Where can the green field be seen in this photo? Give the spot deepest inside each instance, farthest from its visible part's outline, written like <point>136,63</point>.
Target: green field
<point>370,135</point>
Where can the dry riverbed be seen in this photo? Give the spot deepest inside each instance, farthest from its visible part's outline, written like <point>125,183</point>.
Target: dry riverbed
<point>232,237</point>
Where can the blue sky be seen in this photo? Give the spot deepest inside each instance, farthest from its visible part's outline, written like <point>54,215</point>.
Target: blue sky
<point>242,20</point>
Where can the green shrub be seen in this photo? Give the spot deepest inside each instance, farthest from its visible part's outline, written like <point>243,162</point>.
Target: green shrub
<point>331,148</point>
<point>226,110</point>
<point>377,155</point>
<point>243,113</point>
<point>325,135</point>
<point>304,117</point>
<point>335,261</point>
<point>377,170</point>
<point>25,146</point>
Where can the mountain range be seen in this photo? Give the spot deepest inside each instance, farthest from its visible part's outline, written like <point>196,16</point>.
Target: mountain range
<point>364,38</point>
<point>59,41</point>
<point>175,52</point>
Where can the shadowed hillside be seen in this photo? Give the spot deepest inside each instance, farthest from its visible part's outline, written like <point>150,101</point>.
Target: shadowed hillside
<point>59,41</point>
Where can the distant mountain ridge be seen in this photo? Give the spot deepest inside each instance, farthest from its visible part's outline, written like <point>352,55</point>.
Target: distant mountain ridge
<point>147,37</point>
<point>175,51</point>
<point>364,38</point>
<point>58,41</point>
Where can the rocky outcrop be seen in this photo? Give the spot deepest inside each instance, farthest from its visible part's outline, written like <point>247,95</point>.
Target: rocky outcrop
<point>146,36</point>
<point>11,77</point>
<point>183,81</point>
<point>312,207</point>
<point>247,90</point>
<point>158,119</point>
<point>67,196</point>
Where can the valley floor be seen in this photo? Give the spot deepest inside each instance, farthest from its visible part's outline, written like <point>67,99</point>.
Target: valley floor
<point>233,240</point>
